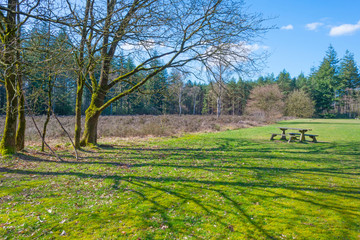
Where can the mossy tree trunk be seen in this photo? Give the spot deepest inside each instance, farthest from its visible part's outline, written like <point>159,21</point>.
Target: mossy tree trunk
<point>90,128</point>
<point>9,41</point>
<point>92,115</point>
<point>20,133</point>
<point>79,94</point>
<point>8,143</point>
<point>82,70</point>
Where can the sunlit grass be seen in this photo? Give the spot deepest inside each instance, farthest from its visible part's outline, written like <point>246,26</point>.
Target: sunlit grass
<point>228,185</point>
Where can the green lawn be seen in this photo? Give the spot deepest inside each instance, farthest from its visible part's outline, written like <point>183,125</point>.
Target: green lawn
<point>228,185</point>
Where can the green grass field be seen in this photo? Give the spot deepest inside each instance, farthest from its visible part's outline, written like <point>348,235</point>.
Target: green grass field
<point>227,185</point>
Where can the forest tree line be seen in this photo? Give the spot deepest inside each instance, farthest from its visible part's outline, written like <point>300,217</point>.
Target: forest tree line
<point>333,87</point>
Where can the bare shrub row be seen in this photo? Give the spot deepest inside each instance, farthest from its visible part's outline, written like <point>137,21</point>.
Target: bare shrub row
<point>142,126</point>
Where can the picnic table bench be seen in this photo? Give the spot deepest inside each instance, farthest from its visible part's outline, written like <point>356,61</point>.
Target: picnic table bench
<point>293,136</point>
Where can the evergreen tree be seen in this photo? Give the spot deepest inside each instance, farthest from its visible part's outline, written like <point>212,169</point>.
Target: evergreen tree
<point>232,97</point>
<point>285,83</point>
<point>349,82</point>
<point>302,83</point>
<point>324,83</point>
<point>155,90</point>
<point>349,73</point>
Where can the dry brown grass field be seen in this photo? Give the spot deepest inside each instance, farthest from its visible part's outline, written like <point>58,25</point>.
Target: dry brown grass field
<point>140,126</point>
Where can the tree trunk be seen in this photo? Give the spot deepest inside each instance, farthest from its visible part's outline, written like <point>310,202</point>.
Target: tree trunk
<point>233,107</point>
<point>9,40</point>
<point>8,142</point>
<point>92,115</point>
<point>180,94</point>
<point>48,114</point>
<point>79,94</point>
<point>90,129</point>
<point>218,107</point>
<point>20,133</point>
<point>81,80</point>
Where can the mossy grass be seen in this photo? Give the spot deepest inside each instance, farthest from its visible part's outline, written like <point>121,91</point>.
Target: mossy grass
<point>6,151</point>
<point>228,185</point>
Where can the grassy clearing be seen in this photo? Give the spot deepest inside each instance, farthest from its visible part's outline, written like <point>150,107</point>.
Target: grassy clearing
<point>227,185</point>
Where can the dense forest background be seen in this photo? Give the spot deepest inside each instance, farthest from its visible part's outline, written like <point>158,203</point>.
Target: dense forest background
<point>333,87</point>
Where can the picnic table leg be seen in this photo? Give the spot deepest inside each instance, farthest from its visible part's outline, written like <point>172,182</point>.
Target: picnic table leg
<point>314,139</point>
<point>283,136</point>
<point>302,137</point>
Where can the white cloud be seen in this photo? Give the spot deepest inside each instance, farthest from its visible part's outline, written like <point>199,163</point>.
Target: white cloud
<point>142,45</point>
<point>313,26</point>
<point>345,29</point>
<point>255,47</point>
<point>288,27</point>
<point>127,47</point>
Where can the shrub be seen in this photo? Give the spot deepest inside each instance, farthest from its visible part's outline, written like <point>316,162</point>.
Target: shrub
<point>299,104</point>
<point>266,102</point>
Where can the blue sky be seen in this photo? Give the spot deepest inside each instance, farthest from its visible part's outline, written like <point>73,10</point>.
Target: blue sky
<point>305,31</point>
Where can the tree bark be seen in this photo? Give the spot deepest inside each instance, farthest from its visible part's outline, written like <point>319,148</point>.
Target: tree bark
<point>92,115</point>
<point>79,94</point>
<point>218,107</point>
<point>180,95</point>
<point>48,113</point>
<point>90,129</point>
<point>8,142</point>
<point>20,133</point>
<point>9,40</point>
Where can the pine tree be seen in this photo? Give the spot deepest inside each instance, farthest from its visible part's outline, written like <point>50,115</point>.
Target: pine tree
<point>325,82</point>
<point>349,73</point>
<point>285,83</point>
<point>349,80</point>
<point>302,82</point>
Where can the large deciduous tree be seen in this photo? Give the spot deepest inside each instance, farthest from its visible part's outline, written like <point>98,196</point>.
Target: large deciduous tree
<point>10,63</point>
<point>181,32</point>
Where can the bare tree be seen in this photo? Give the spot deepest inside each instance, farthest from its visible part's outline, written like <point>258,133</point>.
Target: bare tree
<point>47,61</point>
<point>266,102</point>
<point>217,77</point>
<point>182,31</point>
<point>194,92</point>
<point>177,87</point>
<point>13,16</point>
<point>10,25</point>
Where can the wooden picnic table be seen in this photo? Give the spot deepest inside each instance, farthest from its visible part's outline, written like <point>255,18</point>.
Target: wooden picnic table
<point>301,130</point>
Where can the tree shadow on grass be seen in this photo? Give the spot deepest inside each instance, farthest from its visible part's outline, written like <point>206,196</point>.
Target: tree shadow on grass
<point>229,156</point>
<point>270,167</point>
<point>155,183</point>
